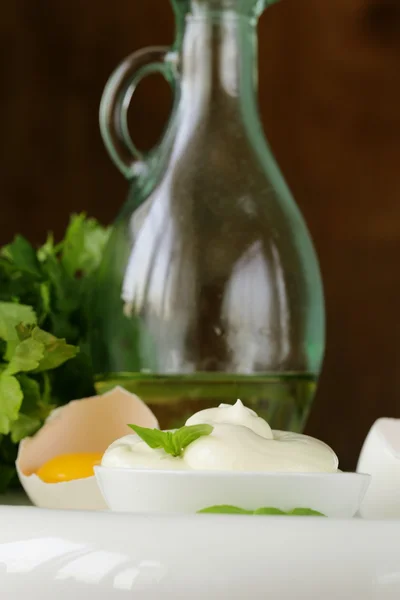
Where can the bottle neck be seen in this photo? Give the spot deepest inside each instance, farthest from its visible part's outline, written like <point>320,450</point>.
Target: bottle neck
<point>218,60</point>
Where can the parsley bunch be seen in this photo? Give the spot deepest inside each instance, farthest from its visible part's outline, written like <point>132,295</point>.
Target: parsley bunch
<point>44,358</point>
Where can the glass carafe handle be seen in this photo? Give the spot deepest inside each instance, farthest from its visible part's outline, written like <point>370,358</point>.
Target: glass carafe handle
<point>116,100</point>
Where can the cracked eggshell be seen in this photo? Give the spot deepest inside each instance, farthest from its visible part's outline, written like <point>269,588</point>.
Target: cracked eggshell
<point>87,425</point>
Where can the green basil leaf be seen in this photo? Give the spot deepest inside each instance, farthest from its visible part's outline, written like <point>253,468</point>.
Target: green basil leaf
<point>225,509</point>
<point>153,437</point>
<point>172,442</point>
<point>188,434</point>
<point>171,446</point>
<point>305,512</point>
<point>268,510</point>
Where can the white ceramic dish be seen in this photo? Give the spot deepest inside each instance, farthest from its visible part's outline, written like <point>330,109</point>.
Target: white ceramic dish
<point>47,554</point>
<point>150,491</point>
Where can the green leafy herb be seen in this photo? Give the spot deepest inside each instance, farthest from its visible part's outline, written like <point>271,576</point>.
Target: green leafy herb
<point>44,308</point>
<point>225,509</point>
<point>11,315</point>
<point>55,351</point>
<point>269,510</point>
<point>234,510</point>
<point>82,246</point>
<point>10,401</point>
<point>172,442</point>
<point>37,351</point>
<point>23,256</point>
<point>23,427</point>
<point>26,356</point>
<point>305,512</point>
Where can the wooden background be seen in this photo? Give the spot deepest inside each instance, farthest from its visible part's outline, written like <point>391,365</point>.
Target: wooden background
<point>330,100</point>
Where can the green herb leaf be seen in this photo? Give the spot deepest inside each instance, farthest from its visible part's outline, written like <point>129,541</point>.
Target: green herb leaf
<point>169,445</point>
<point>153,437</point>
<point>35,405</point>
<point>45,296</point>
<point>66,294</point>
<point>23,256</point>
<point>11,315</point>
<point>47,289</point>
<point>26,357</point>
<point>23,427</point>
<point>172,442</point>
<point>305,512</point>
<point>47,390</point>
<point>269,510</point>
<point>47,249</point>
<point>184,436</point>
<point>56,351</point>
<point>82,242</point>
<point>24,332</point>
<point>225,509</point>
<point>38,351</point>
<point>31,391</point>
<point>234,510</point>
<point>10,401</point>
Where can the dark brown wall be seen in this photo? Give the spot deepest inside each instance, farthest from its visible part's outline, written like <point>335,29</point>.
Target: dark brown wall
<point>330,99</point>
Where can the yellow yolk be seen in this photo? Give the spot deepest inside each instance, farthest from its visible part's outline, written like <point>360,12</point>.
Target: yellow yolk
<point>68,467</point>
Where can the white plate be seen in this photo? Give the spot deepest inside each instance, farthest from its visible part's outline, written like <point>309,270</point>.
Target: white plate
<point>48,554</point>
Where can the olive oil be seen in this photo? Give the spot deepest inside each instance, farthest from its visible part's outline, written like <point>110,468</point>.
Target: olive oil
<point>284,400</point>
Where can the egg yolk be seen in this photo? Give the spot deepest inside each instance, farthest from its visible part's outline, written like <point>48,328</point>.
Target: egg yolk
<point>68,467</point>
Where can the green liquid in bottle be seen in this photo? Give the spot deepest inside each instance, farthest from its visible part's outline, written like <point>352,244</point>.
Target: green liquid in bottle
<point>283,400</point>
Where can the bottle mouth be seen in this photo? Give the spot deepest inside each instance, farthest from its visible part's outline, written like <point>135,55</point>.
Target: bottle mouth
<point>244,8</point>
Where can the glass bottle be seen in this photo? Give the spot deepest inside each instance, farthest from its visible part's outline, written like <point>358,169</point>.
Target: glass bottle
<point>210,288</point>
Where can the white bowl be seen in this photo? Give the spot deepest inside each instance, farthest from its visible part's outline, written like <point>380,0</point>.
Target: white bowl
<point>151,491</point>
